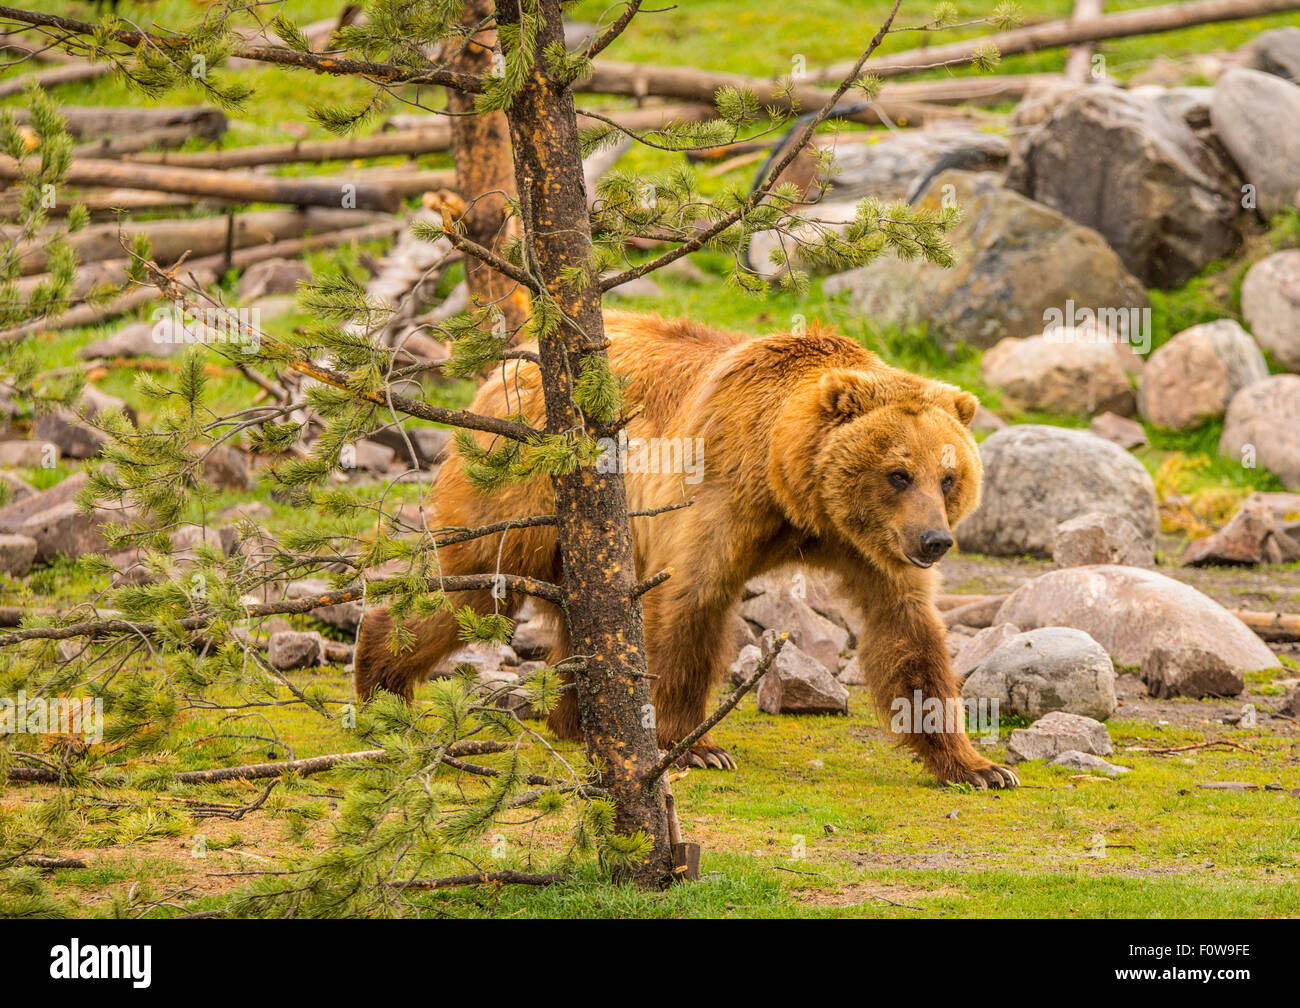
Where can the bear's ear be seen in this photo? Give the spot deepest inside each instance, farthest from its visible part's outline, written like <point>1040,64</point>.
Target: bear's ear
<point>847,394</point>
<point>964,405</point>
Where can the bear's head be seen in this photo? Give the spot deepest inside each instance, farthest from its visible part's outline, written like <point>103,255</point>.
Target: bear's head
<point>896,466</point>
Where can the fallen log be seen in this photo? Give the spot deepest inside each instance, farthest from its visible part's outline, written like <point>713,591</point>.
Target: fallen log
<point>1078,61</point>
<point>205,271</point>
<point>1060,34</point>
<point>415,135</point>
<point>640,80</point>
<point>87,121</point>
<point>67,73</point>
<point>200,236</point>
<point>222,185</point>
<point>131,143</point>
<point>426,140</point>
<point>637,79</point>
<point>1275,627</point>
<point>116,202</point>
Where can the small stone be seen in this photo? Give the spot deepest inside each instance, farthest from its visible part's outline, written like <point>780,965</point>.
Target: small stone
<point>293,650</point>
<point>23,454</point>
<point>1100,538</point>
<point>809,631</point>
<point>1126,433</point>
<point>799,684</point>
<point>1072,759</point>
<point>16,554</point>
<point>272,276</point>
<point>852,674</point>
<point>1056,733</point>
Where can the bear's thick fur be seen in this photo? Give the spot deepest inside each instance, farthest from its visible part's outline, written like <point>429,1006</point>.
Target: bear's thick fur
<point>815,453</point>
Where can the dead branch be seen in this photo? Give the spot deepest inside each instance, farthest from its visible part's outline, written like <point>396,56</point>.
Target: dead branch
<point>481,878</point>
<point>772,647</point>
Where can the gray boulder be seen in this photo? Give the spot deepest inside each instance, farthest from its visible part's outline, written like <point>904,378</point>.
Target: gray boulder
<point>1045,670</point>
<point>1036,477</point>
<point>1262,428</point>
<point>1193,377</point>
<point>63,530</point>
<point>1138,176</point>
<point>290,649</point>
<point>1270,304</point>
<point>1018,263</point>
<point>973,653</point>
<point>1257,118</point>
<point>1182,642</point>
<point>894,167</point>
<point>1277,52</point>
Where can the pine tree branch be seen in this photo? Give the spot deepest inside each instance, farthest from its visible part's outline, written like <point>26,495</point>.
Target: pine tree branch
<point>723,710</point>
<point>385,73</point>
<point>175,291</point>
<point>261,771</point>
<point>762,191</point>
<point>607,37</point>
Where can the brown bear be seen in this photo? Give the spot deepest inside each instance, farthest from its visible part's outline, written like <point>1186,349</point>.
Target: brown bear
<point>814,453</point>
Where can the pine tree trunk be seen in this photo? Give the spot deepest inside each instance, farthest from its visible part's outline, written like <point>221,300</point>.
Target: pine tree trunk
<point>485,174</point>
<point>603,612</point>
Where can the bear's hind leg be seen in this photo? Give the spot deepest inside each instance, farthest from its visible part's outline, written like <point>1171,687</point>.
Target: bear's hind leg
<point>684,637</point>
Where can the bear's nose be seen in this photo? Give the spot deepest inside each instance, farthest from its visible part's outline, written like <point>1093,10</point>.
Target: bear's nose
<point>935,543</point>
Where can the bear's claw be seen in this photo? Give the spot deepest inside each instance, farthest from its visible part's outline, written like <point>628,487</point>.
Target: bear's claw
<point>991,776</point>
<point>703,756</point>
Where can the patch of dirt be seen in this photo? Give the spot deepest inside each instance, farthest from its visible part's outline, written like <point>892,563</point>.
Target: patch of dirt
<point>853,894</point>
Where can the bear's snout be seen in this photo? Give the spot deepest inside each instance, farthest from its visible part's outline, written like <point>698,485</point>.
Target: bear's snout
<point>935,543</point>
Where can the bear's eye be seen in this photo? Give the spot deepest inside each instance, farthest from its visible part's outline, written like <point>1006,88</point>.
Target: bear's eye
<point>946,483</point>
<point>900,479</point>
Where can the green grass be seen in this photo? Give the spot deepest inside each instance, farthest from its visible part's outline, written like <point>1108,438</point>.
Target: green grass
<point>877,837</point>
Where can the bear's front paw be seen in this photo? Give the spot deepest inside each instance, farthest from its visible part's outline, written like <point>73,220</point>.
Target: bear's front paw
<point>706,756</point>
<point>990,775</point>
